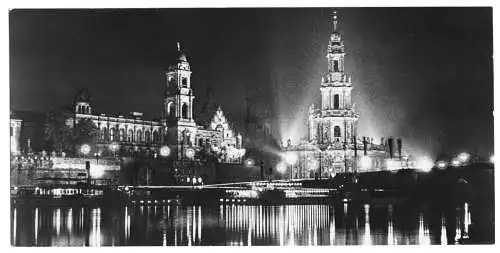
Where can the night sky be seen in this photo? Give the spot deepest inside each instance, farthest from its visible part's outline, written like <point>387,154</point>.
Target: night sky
<point>423,74</point>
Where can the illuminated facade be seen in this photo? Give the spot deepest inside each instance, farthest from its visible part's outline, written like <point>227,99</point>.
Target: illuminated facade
<point>15,136</point>
<point>332,145</point>
<point>177,128</point>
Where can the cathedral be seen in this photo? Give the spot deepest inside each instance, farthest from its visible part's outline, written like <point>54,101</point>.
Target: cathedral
<point>176,129</point>
<point>333,145</point>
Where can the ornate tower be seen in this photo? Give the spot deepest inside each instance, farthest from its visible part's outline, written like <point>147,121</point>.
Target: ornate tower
<point>178,98</point>
<point>336,120</point>
<point>83,103</point>
<point>178,106</point>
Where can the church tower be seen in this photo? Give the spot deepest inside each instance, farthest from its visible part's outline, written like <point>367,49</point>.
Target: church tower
<point>336,120</point>
<point>178,106</point>
<point>178,98</point>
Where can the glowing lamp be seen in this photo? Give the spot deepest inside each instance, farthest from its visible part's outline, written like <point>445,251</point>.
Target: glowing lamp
<point>190,153</point>
<point>425,164</point>
<point>165,151</point>
<point>85,149</point>
<point>114,147</point>
<point>455,162</point>
<point>441,164</point>
<point>366,162</point>
<point>463,157</point>
<point>281,167</point>
<point>249,162</point>
<point>291,158</point>
<point>492,159</point>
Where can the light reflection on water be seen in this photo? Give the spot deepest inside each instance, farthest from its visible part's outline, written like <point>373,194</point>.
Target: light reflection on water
<point>236,225</point>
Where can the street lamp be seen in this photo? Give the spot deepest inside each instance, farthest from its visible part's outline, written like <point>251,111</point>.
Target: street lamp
<point>114,147</point>
<point>164,151</point>
<point>97,154</point>
<point>85,149</point>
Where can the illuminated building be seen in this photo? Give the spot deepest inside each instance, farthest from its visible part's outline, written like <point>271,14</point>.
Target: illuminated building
<point>15,135</point>
<point>333,145</point>
<point>177,127</point>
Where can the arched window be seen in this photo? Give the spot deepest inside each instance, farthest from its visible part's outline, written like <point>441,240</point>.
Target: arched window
<point>336,66</point>
<point>171,109</point>
<point>147,136</point>
<point>184,111</point>
<point>130,135</point>
<point>184,82</point>
<point>156,137</point>
<point>112,134</point>
<point>336,131</point>
<point>200,142</point>
<point>105,134</point>
<point>122,134</point>
<point>139,136</point>
<point>336,101</point>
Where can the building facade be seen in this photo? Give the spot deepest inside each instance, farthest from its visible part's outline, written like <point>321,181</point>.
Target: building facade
<point>15,135</point>
<point>176,129</point>
<point>333,145</point>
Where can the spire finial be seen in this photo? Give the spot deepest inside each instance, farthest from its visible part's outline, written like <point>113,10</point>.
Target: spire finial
<point>178,46</point>
<point>335,21</point>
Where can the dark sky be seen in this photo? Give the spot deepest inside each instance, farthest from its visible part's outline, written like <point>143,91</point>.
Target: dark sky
<point>423,74</point>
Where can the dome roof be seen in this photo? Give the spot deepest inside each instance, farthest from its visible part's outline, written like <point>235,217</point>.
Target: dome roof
<point>83,96</point>
<point>181,57</point>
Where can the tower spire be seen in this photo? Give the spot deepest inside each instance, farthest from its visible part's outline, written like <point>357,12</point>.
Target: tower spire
<point>178,46</point>
<point>335,21</point>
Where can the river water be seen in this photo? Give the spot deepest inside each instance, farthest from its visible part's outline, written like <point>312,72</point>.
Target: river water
<point>244,225</point>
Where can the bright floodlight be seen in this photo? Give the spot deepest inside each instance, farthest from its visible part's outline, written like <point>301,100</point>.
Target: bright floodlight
<point>85,149</point>
<point>281,167</point>
<point>249,162</point>
<point>455,162</point>
<point>165,151</point>
<point>365,162</point>
<point>441,164</point>
<point>96,171</point>
<point>425,164</point>
<point>492,159</point>
<point>463,157</point>
<point>291,158</point>
<point>190,153</point>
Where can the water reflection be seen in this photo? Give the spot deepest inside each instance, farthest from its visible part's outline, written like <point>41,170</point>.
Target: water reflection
<point>238,225</point>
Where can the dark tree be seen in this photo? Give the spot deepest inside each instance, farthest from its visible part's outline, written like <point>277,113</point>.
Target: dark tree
<point>85,132</point>
<point>57,132</point>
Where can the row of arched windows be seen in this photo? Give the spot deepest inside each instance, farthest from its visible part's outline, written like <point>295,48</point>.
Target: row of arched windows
<point>139,136</point>
<point>83,109</point>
